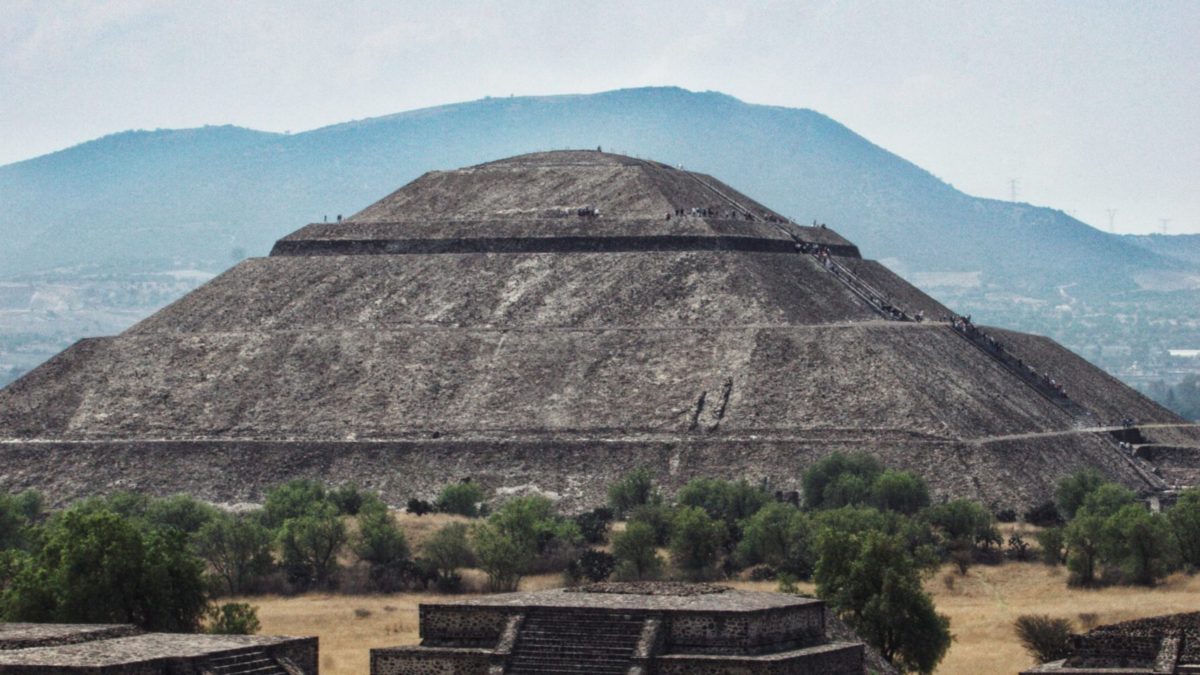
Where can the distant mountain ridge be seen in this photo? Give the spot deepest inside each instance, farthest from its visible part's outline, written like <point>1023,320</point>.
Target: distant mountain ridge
<point>199,197</point>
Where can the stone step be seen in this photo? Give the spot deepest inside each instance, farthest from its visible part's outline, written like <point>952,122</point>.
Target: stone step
<point>522,667</point>
<point>558,643</point>
<point>584,634</point>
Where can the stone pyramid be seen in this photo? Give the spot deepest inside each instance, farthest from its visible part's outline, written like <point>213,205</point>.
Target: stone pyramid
<point>547,322</point>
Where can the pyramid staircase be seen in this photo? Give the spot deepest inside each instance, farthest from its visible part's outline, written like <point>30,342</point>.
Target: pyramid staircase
<point>248,662</point>
<point>556,641</point>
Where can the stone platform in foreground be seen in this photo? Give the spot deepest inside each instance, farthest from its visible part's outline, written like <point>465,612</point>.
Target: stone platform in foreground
<point>1158,644</point>
<point>80,649</point>
<point>624,629</point>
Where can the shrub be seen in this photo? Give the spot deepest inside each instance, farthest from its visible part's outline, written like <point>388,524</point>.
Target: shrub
<point>840,480</point>
<point>348,499</point>
<point>232,618</point>
<point>593,525</point>
<point>636,553</point>
<point>1006,516</point>
<point>293,499</point>
<point>1052,540</point>
<point>460,498</point>
<point>634,489</point>
<point>1045,639</point>
<point>696,540</point>
<point>595,565</point>
<point>419,507</point>
<point>237,548</point>
<point>1018,548</point>
<point>1043,515</point>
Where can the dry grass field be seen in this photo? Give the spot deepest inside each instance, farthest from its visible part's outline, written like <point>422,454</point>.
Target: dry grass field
<point>981,606</point>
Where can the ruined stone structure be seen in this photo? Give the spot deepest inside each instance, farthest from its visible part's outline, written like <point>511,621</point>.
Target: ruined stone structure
<point>1161,644</point>
<point>66,649</point>
<point>620,629</point>
<point>548,322</point>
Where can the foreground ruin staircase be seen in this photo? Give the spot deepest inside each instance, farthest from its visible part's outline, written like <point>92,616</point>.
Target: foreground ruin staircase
<point>548,322</point>
<point>249,662</point>
<point>634,628</point>
<point>564,641</point>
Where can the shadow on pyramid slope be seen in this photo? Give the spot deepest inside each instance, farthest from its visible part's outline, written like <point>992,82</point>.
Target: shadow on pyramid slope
<point>548,322</point>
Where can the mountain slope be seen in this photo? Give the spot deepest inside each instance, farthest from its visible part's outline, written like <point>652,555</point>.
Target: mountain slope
<point>197,195</point>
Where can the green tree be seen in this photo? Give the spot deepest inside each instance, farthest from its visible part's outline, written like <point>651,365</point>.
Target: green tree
<point>237,549</point>
<point>1184,518</point>
<point>1052,541</point>
<point>899,491</point>
<point>728,501</point>
<point>12,523</point>
<point>1107,499</point>
<point>381,544</point>
<point>460,498</point>
<point>874,583</point>
<point>294,499</point>
<point>632,490</point>
<point>181,512</point>
<point>1073,489</point>
<point>310,545</point>
<point>94,566</point>
<point>657,516</point>
<point>840,480</point>
<point>501,556</point>
<point>696,540</point>
<point>1141,543</point>
<point>513,537</point>
<point>636,553</point>
<point>1085,538</point>
<point>778,535</point>
<point>447,550</point>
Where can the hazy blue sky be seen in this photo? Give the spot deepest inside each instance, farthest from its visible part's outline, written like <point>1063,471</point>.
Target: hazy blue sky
<point>1091,105</point>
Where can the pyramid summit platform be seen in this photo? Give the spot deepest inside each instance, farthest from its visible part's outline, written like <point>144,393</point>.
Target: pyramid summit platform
<point>550,321</point>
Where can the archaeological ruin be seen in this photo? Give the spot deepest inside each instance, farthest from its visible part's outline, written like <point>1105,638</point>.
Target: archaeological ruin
<point>1160,644</point>
<point>545,323</point>
<point>641,627</point>
<point>83,649</point>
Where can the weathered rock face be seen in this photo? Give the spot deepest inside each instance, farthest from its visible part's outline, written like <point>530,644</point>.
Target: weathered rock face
<point>545,323</point>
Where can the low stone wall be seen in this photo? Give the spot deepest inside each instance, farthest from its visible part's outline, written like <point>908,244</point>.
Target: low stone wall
<point>831,659</point>
<point>745,633</point>
<point>458,626</point>
<point>304,653</point>
<point>430,661</point>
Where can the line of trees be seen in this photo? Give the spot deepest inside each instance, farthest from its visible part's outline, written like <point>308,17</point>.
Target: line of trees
<point>1109,536</point>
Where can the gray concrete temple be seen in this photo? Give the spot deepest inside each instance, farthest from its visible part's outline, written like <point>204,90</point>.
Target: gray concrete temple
<point>624,629</point>
<point>67,649</point>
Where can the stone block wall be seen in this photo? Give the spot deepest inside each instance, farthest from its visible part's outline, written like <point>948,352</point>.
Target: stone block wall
<point>456,626</point>
<point>429,661</point>
<point>745,633</point>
